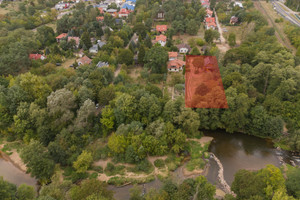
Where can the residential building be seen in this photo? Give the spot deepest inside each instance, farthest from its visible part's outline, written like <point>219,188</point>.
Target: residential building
<point>175,65</point>
<point>36,56</point>
<point>124,12</point>
<point>234,20</point>
<point>172,55</point>
<point>77,40</point>
<point>210,23</point>
<point>183,48</point>
<point>161,28</point>
<point>84,61</point>
<point>94,49</point>
<point>161,39</point>
<point>239,4</point>
<point>209,12</point>
<point>102,64</point>
<point>100,18</point>
<point>61,36</point>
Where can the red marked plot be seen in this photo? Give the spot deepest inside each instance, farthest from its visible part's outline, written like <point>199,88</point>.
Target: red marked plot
<point>203,83</point>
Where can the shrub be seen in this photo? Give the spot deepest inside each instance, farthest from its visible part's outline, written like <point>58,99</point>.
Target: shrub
<point>98,169</point>
<point>93,175</point>
<point>159,163</point>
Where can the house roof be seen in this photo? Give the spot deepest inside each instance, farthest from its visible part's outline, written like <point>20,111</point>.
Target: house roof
<point>102,64</point>
<point>175,64</point>
<point>161,28</point>
<point>77,39</point>
<point>35,56</point>
<point>211,24</point>
<point>111,10</point>
<point>209,11</point>
<point>210,19</point>
<point>133,1</point>
<point>101,43</point>
<point>63,35</point>
<point>124,11</point>
<point>173,54</point>
<point>234,19</point>
<point>184,46</point>
<point>101,10</point>
<point>85,60</point>
<point>100,18</point>
<point>127,6</point>
<point>161,38</point>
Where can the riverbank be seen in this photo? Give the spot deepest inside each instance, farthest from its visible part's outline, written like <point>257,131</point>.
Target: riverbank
<point>13,157</point>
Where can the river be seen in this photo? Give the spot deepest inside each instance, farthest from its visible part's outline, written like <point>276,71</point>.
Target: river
<point>14,175</point>
<point>235,151</point>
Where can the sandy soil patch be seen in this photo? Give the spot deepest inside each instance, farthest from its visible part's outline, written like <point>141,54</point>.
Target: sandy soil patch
<point>203,140</point>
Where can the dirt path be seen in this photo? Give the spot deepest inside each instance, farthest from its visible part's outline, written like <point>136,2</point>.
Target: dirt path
<point>223,46</point>
<point>278,33</point>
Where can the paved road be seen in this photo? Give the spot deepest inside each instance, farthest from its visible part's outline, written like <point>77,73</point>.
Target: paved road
<point>280,8</point>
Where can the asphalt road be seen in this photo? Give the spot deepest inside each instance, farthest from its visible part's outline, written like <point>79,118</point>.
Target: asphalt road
<point>285,14</point>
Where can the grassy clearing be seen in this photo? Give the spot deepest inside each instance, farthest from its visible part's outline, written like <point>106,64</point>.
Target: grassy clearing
<point>198,153</point>
<point>173,162</point>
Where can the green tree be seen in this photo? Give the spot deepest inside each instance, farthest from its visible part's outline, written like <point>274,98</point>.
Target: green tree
<point>7,190</point>
<point>125,56</point>
<point>141,54</point>
<point>195,51</point>
<point>107,120</point>
<point>192,27</point>
<point>156,59</point>
<point>85,40</point>
<point>210,35</point>
<point>25,192</point>
<point>231,40</point>
<point>83,162</point>
<point>205,189</point>
<point>38,161</point>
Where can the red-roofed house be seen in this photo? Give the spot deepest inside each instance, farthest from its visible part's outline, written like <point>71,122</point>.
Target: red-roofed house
<point>175,65</point>
<point>101,10</point>
<point>210,23</point>
<point>84,61</point>
<point>61,36</point>
<point>205,4</point>
<point>209,12</point>
<point>161,39</point>
<point>124,12</point>
<point>100,18</point>
<point>161,28</point>
<point>172,55</point>
<point>77,40</point>
<point>36,56</point>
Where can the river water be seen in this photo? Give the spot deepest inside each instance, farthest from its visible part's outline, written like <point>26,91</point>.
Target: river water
<point>235,151</point>
<point>11,173</point>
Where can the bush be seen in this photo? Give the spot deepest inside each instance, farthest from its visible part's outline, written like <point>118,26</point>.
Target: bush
<point>98,169</point>
<point>159,163</point>
<point>200,42</point>
<point>78,176</point>
<point>93,175</point>
<point>156,78</point>
<point>111,170</point>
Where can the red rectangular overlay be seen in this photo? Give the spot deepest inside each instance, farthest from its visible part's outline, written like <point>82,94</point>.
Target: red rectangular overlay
<point>203,83</point>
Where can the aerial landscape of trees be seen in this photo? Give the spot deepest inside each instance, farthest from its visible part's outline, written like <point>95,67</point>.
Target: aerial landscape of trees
<point>66,118</point>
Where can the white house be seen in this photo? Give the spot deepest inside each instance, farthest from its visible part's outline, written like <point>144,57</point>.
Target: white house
<point>239,4</point>
<point>183,48</point>
<point>161,39</point>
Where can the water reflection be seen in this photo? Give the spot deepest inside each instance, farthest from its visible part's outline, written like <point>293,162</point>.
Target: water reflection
<point>240,151</point>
